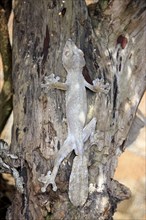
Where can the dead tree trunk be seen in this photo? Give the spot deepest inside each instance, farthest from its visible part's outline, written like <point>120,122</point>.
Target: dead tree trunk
<point>112,39</point>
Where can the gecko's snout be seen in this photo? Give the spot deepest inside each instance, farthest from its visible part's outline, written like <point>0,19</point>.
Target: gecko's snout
<point>69,42</point>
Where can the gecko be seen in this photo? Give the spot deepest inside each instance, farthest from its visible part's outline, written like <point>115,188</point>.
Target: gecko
<point>78,131</point>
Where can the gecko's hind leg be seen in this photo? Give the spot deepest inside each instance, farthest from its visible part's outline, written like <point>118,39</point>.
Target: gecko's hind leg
<point>89,130</point>
<point>61,155</point>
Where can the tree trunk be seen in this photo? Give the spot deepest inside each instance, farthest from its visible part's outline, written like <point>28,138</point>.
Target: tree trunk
<point>112,39</point>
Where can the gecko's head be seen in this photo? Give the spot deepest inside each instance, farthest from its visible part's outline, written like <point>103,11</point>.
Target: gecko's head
<point>73,57</point>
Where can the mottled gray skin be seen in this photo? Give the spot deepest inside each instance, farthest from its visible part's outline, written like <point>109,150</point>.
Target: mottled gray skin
<point>76,112</point>
<point>76,101</point>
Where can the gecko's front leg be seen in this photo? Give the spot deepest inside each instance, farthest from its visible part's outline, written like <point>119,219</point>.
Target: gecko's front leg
<point>51,82</point>
<point>98,86</point>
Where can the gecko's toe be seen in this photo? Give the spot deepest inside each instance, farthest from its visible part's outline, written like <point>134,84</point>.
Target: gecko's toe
<point>43,189</point>
<point>54,187</point>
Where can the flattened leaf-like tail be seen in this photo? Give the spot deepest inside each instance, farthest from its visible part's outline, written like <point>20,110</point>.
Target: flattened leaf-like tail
<point>78,183</point>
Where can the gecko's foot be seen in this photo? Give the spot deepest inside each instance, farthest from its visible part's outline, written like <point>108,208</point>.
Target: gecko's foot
<point>46,180</point>
<point>49,80</point>
<point>100,86</point>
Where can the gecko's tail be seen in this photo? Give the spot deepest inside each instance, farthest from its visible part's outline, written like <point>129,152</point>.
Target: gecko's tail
<point>78,183</point>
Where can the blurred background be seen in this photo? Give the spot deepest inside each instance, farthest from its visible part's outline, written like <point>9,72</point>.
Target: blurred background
<point>131,170</point>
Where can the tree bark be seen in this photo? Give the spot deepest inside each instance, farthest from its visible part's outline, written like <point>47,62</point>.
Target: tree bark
<point>41,29</point>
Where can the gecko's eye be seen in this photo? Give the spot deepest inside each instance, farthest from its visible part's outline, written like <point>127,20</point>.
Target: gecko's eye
<point>66,53</point>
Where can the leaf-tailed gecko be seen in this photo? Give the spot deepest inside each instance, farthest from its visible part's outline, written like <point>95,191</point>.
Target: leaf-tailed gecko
<point>76,112</point>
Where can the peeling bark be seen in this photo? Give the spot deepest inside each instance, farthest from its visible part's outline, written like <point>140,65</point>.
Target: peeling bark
<point>40,31</point>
